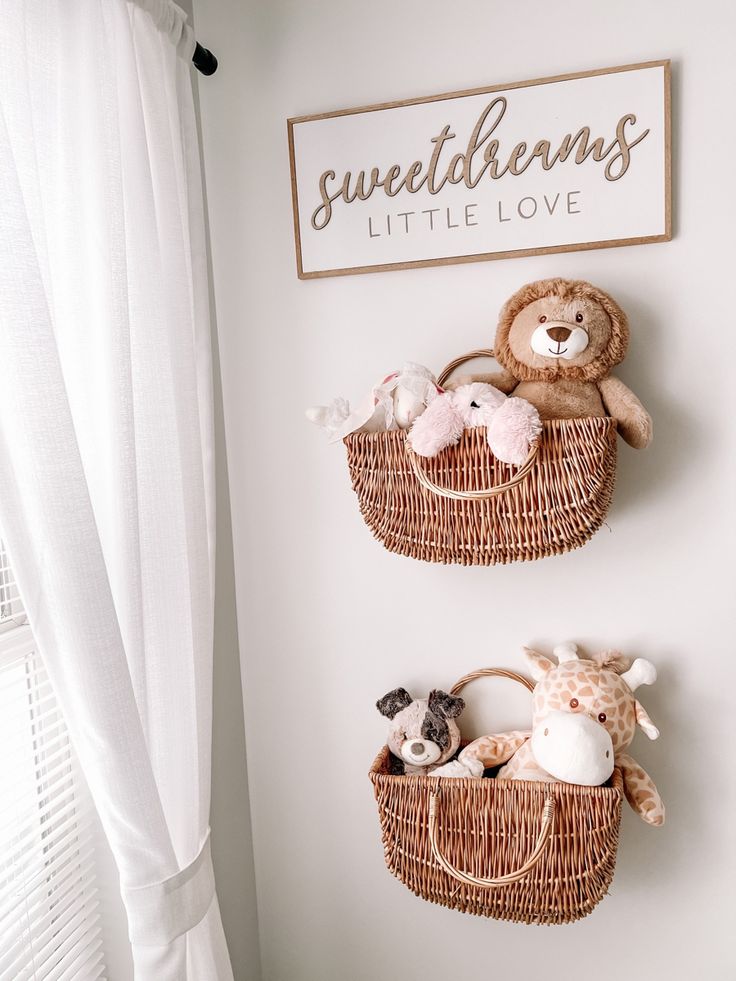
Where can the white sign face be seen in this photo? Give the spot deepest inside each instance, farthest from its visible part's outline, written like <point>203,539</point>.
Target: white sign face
<point>551,165</point>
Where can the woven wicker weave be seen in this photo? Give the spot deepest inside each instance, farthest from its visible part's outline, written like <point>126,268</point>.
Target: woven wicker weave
<point>509,849</point>
<point>465,506</point>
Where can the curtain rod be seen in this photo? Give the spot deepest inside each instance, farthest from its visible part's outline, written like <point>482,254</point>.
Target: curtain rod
<point>204,61</point>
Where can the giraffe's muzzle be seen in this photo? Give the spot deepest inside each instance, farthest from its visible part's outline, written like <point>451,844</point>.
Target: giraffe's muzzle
<point>574,748</point>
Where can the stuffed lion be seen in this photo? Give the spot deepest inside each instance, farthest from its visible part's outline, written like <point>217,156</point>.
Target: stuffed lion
<point>557,341</point>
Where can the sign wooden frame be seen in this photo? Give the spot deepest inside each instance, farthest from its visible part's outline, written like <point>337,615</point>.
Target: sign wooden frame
<point>449,260</point>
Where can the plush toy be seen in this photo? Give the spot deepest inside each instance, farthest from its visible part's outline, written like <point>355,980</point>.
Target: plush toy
<point>512,424</point>
<point>557,340</point>
<point>585,716</point>
<point>393,403</point>
<point>423,733</point>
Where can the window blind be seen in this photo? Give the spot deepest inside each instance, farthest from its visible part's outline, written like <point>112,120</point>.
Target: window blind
<point>11,606</point>
<point>49,919</point>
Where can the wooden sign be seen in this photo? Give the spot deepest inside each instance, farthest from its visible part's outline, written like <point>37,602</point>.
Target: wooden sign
<point>550,165</point>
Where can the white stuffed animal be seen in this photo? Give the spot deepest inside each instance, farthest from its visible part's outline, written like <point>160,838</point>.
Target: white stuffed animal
<point>394,403</point>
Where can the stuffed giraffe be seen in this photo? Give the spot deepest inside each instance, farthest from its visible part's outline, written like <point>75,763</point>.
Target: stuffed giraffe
<point>585,717</point>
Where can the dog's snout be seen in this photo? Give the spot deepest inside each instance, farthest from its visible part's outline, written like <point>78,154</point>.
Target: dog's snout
<point>417,748</point>
<point>558,333</point>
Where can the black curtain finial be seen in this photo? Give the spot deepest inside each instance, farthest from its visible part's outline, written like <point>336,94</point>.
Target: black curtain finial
<point>204,61</point>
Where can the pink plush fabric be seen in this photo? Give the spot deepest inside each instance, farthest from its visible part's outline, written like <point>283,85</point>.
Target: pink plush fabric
<point>512,423</point>
<point>512,430</point>
<point>440,425</point>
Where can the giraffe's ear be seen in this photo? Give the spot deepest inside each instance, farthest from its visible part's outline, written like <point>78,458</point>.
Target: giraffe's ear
<point>644,722</point>
<point>641,672</point>
<point>538,664</point>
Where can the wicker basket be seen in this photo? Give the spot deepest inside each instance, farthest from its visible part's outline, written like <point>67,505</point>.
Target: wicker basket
<point>466,506</point>
<point>509,849</point>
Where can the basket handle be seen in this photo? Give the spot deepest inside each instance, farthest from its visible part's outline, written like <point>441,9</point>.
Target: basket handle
<point>545,833</point>
<point>472,495</point>
<point>548,811</point>
<point>486,352</point>
<point>491,673</point>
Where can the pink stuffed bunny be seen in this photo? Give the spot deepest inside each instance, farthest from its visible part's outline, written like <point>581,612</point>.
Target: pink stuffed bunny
<point>512,423</point>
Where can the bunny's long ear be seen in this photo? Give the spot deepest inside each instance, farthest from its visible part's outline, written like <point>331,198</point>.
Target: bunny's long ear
<point>394,702</point>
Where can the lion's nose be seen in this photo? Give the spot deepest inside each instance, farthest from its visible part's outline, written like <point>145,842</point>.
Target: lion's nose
<point>558,333</point>
<point>417,748</point>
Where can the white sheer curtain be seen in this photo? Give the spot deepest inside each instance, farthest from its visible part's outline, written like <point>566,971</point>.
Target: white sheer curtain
<point>106,470</point>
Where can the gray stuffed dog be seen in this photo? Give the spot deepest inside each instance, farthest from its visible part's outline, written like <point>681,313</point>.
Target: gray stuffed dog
<point>423,733</point>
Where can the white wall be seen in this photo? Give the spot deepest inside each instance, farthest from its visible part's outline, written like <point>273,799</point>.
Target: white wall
<point>329,620</point>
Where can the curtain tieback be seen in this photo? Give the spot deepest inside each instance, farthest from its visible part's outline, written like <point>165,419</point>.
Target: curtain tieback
<point>162,911</point>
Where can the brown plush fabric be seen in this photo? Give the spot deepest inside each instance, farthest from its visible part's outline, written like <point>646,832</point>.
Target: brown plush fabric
<point>565,399</point>
<point>561,299</point>
<point>591,330</point>
<point>504,381</point>
<point>634,422</point>
<point>612,661</point>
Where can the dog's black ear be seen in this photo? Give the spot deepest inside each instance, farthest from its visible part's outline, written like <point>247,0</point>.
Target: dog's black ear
<point>449,706</point>
<point>393,703</point>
